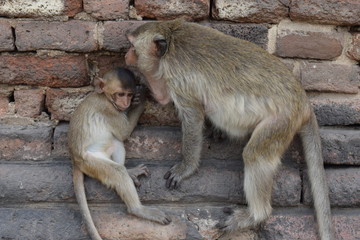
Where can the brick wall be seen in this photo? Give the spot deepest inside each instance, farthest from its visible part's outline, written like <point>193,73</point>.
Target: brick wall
<point>50,49</point>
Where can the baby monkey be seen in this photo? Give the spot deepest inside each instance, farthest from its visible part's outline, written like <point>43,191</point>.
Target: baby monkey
<point>98,128</point>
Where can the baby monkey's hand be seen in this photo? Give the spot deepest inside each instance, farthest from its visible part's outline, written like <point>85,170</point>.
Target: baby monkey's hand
<point>139,96</point>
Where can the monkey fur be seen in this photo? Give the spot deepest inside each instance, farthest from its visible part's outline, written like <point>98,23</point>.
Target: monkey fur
<point>97,130</point>
<point>241,89</point>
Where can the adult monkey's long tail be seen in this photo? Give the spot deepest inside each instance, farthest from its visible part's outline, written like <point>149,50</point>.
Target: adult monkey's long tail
<point>78,179</point>
<point>313,155</point>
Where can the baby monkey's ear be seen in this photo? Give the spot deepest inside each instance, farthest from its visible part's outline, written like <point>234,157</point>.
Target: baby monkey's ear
<point>99,84</point>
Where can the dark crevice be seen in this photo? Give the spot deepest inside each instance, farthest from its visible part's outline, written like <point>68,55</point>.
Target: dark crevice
<point>11,97</point>
<point>211,8</point>
<point>14,37</point>
<point>302,186</point>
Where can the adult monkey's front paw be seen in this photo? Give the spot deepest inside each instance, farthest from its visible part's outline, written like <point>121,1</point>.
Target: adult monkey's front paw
<point>176,174</point>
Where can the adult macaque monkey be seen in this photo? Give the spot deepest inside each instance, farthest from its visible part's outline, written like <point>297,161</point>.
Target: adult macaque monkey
<point>98,128</point>
<point>242,89</point>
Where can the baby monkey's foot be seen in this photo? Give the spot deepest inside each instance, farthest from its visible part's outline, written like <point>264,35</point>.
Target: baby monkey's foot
<point>137,171</point>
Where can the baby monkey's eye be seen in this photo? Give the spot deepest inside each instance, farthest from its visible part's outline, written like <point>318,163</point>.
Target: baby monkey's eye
<point>120,94</point>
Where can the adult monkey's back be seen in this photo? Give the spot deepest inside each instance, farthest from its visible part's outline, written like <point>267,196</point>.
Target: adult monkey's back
<point>242,89</point>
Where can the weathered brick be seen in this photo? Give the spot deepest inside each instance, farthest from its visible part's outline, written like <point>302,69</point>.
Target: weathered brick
<point>164,143</point>
<point>156,143</point>
<point>25,142</point>
<point>4,105</point>
<point>5,93</point>
<point>218,182</point>
<point>61,103</point>
<point>344,187</point>
<point>105,63</point>
<point>35,183</point>
<point>29,102</point>
<point>60,140</point>
<point>58,71</point>
<point>346,224</point>
<point>73,7</point>
<point>341,146</point>
<point>72,36</point>
<point>160,9</point>
<point>270,11</point>
<point>354,50</point>
<point>107,9</point>
<point>346,12</point>
<point>40,8</point>
<point>156,114</point>
<point>213,182</point>
<point>256,33</point>
<point>296,40</point>
<point>336,110</point>
<point>6,90</point>
<point>300,224</point>
<point>117,224</point>
<point>55,223</point>
<point>18,8</point>
<point>6,36</point>
<point>114,34</point>
<point>189,222</point>
<point>112,222</point>
<point>330,77</point>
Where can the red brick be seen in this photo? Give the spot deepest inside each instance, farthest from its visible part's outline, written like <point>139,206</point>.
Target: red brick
<point>105,63</point>
<point>344,187</point>
<point>305,44</point>
<point>61,103</point>
<point>354,50</point>
<point>25,141</point>
<point>72,36</point>
<point>4,105</point>
<point>161,9</point>
<point>345,12</point>
<point>341,146</point>
<point>114,34</point>
<point>107,9</point>
<point>336,110</point>
<point>270,11</point>
<point>330,77</point>
<point>58,71</point>
<point>6,36</point>
<point>72,7</point>
<point>30,102</point>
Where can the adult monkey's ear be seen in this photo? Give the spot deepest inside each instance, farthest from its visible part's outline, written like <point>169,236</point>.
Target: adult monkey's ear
<point>161,45</point>
<point>99,84</point>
